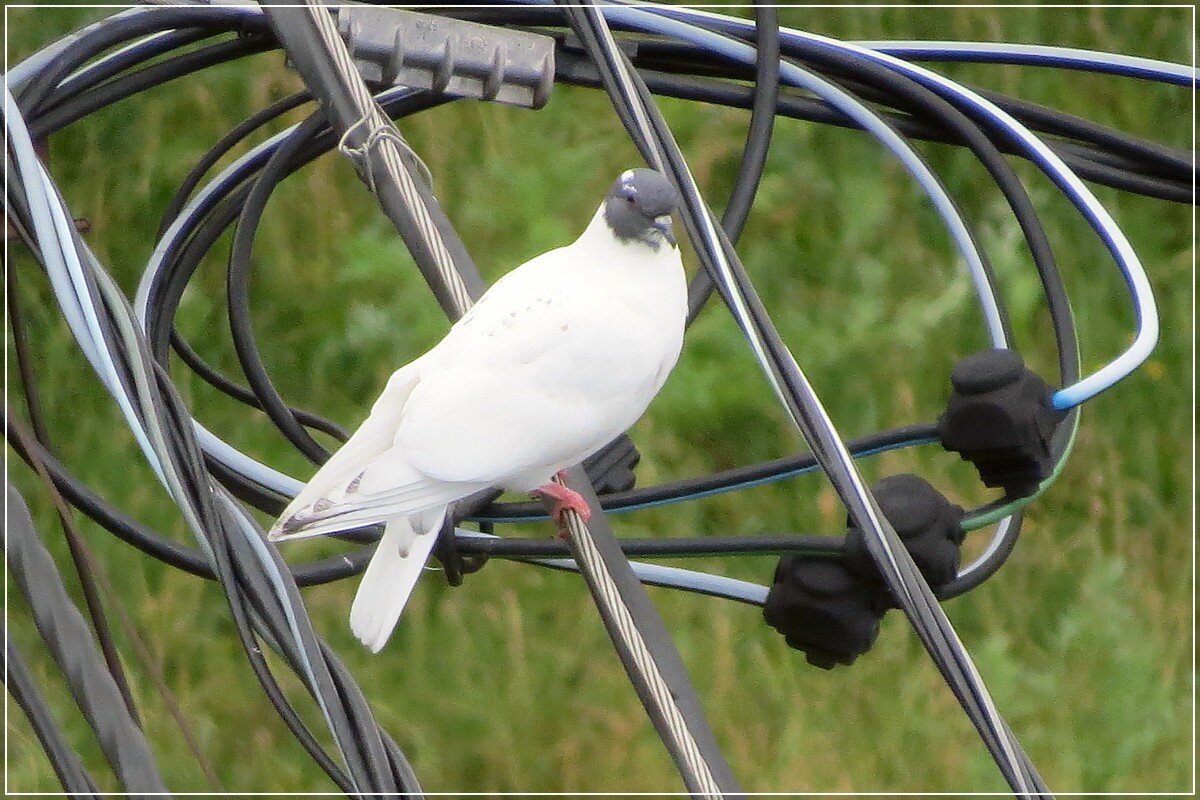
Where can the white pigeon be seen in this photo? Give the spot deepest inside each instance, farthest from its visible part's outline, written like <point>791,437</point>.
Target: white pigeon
<point>558,358</point>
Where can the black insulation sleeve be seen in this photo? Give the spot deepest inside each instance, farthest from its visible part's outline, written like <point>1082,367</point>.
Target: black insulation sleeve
<point>63,759</point>
<point>117,32</point>
<point>758,142</point>
<point>69,640</point>
<point>79,106</point>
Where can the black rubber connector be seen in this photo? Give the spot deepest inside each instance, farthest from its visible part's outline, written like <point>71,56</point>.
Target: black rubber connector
<point>830,608</point>
<point>824,610</point>
<point>929,525</point>
<point>1000,417</point>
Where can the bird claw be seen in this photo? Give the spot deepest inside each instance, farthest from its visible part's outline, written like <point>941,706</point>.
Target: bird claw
<point>565,499</point>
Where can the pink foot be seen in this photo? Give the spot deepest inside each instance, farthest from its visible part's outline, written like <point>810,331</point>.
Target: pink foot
<point>565,499</point>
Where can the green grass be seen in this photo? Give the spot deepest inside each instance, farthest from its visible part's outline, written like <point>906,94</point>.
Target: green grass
<point>508,683</point>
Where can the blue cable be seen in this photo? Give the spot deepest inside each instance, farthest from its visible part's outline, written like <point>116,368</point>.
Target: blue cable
<point>1040,55</point>
<point>1145,310</point>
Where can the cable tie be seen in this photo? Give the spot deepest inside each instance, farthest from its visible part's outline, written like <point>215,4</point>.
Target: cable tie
<point>381,130</point>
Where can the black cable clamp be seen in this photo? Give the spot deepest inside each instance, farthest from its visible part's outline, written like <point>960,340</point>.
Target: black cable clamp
<point>1000,417</point>
<point>610,469</point>
<point>830,608</point>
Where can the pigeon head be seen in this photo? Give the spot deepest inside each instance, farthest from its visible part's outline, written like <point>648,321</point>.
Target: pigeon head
<point>639,205</point>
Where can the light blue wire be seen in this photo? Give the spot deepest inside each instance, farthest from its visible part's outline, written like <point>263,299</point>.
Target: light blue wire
<point>1097,216</point>
<point>1041,55</point>
<point>660,575</point>
<point>55,238</point>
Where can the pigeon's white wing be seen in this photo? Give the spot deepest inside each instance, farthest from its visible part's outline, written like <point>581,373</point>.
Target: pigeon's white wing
<point>372,438</point>
<point>545,369</point>
<point>368,480</point>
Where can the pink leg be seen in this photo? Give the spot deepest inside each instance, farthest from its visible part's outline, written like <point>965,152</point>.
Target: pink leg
<point>564,499</point>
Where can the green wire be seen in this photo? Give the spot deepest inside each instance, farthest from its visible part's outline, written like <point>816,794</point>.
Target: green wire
<point>1008,509</point>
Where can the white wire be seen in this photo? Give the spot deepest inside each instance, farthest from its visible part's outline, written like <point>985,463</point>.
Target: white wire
<point>54,231</point>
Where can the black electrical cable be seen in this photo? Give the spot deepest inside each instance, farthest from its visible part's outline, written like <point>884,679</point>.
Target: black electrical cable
<point>237,288</point>
<point>118,31</point>
<point>229,387</point>
<point>120,61</point>
<point>758,141</point>
<point>682,56</point>
<point>184,453</point>
<point>660,548</point>
<point>699,62</point>
<point>1078,157</point>
<point>79,106</point>
<point>70,643</point>
<point>721,481</point>
<point>231,549</point>
<point>63,760</point>
<point>230,140</point>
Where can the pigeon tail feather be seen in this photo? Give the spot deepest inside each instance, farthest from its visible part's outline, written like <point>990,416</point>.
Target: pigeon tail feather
<point>391,577</point>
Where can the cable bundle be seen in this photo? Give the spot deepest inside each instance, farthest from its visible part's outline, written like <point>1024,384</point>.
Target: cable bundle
<point>675,52</point>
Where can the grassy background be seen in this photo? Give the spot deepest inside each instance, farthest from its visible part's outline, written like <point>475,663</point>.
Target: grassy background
<point>508,683</point>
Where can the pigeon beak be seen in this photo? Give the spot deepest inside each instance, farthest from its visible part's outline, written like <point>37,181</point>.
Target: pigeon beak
<point>663,225</point>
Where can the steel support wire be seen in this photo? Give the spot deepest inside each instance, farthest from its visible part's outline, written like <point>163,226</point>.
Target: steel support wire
<point>310,36</point>
<point>69,641</point>
<point>900,574</point>
<point>638,632</point>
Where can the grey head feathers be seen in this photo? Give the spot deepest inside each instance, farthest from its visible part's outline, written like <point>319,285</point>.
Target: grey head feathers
<point>639,205</point>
